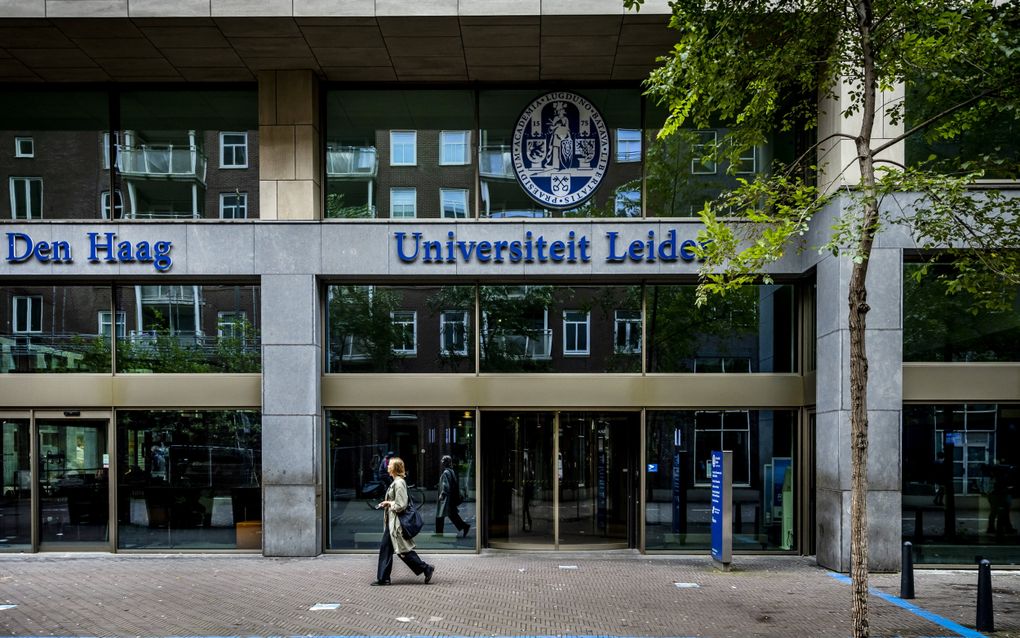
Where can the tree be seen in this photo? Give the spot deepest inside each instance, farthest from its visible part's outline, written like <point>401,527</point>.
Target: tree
<point>762,67</point>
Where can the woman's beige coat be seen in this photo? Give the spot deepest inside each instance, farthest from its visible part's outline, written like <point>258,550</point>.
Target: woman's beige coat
<point>397,493</point>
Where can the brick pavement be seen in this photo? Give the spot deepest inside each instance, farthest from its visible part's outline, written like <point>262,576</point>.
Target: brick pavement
<point>617,594</point>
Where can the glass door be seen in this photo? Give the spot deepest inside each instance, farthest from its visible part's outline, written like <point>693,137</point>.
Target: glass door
<point>15,483</point>
<point>559,480</point>
<point>74,492</point>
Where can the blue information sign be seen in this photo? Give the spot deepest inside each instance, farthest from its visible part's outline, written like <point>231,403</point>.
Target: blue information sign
<point>722,503</point>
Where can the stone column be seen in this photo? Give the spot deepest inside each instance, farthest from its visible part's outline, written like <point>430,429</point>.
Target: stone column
<point>291,409</point>
<point>884,347</point>
<point>290,184</point>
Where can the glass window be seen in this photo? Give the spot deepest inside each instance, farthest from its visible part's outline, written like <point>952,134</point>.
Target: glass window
<point>399,329</point>
<point>234,150</point>
<point>454,203</point>
<point>106,324</point>
<point>28,313</point>
<point>575,332</point>
<point>361,444</point>
<point>704,145</point>
<point>748,162</point>
<point>177,328</point>
<point>16,485</point>
<point>749,330</point>
<point>403,203</point>
<point>54,329</point>
<point>406,324</point>
<point>403,148</point>
<point>190,479</point>
<point>56,137</point>
<point>118,205</point>
<point>166,156</point>
<point>960,473</point>
<point>628,145</point>
<point>627,331</point>
<point>233,205</point>
<point>453,147</point>
<point>24,147</point>
<point>678,452</point>
<point>628,203</point>
<point>26,197</point>
<point>950,327</point>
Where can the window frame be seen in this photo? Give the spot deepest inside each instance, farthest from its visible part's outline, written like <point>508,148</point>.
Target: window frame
<point>567,323</point>
<point>626,158</point>
<point>223,146</point>
<point>117,328</point>
<point>414,147</point>
<point>628,323</point>
<point>35,311</point>
<point>465,158</point>
<point>104,204</point>
<point>697,152</point>
<point>229,318</point>
<point>465,321</point>
<point>414,201</point>
<point>241,205</point>
<point>442,203</point>
<point>28,196</point>
<point>413,323</point>
<point>17,147</point>
<point>753,158</point>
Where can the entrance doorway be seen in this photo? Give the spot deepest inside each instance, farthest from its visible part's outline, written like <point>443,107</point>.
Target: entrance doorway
<point>560,480</point>
<point>56,487</point>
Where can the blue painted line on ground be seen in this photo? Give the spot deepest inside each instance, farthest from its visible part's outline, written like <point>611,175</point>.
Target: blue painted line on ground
<point>945,623</point>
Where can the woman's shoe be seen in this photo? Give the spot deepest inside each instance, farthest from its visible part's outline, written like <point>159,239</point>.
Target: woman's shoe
<point>428,573</point>
<point>380,583</point>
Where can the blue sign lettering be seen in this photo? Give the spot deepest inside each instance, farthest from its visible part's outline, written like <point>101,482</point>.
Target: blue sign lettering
<point>21,248</point>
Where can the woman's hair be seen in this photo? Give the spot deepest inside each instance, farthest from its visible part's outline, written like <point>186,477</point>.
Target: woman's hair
<point>446,461</point>
<point>396,467</point>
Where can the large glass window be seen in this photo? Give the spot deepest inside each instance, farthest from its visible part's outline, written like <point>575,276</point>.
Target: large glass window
<point>53,329</point>
<point>177,328</point>
<point>390,139</point>
<point>361,443</point>
<point>960,476</point>
<point>189,479</point>
<point>748,330</point>
<point>400,329</point>
<point>26,197</point>
<point>16,485</point>
<point>678,455</point>
<point>949,327</point>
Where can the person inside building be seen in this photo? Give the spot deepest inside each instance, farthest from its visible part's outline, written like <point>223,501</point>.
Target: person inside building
<point>450,497</point>
<point>393,539</point>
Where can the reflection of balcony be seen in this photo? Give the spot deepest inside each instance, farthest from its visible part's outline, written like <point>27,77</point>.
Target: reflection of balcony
<point>536,345</point>
<point>43,352</point>
<point>167,294</point>
<point>171,162</point>
<point>151,214</point>
<point>495,162</point>
<point>351,162</point>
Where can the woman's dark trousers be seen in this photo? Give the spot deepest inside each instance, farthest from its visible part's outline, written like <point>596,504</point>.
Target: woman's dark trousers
<point>411,559</point>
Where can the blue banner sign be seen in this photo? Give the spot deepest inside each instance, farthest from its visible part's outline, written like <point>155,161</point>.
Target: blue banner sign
<point>103,248</point>
<point>722,506</point>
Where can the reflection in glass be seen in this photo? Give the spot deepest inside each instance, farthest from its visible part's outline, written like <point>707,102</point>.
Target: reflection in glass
<point>938,326</point>
<point>189,328</point>
<point>55,329</point>
<point>360,446</point>
<point>960,476</point>
<point>74,492</point>
<point>679,445</point>
<point>189,479</point>
<point>179,152</point>
<point>519,478</point>
<point>16,485</point>
<point>400,329</point>
<point>748,330</point>
<point>382,145</point>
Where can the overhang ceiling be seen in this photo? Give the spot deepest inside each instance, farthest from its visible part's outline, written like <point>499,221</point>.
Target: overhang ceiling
<point>367,49</point>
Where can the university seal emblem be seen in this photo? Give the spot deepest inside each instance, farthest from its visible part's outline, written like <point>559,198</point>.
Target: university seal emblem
<point>560,149</point>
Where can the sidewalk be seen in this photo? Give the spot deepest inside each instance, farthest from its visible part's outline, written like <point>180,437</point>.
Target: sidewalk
<point>616,594</point>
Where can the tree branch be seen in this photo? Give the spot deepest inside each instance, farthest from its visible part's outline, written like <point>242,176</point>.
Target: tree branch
<point>934,118</point>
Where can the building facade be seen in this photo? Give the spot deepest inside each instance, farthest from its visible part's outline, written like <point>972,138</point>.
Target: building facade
<point>254,251</point>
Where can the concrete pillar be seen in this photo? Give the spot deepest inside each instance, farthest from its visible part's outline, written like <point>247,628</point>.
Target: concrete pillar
<point>291,415</point>
<point>884,347</point>
<point>290,185</point>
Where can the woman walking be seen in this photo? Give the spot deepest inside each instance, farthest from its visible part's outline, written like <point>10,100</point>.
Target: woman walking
<point>393,536</point>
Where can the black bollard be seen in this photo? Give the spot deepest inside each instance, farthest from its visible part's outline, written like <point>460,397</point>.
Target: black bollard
<point>907,572</point>
<point>985,621</point>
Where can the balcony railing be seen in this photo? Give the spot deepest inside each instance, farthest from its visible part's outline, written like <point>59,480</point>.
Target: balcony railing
<point>167,294</point>
<point>495,161</point>
<point>46,351</point>
<point>180,162</point>
<point>151,214</point>
<point>351,161</point>
<point>536,345</point>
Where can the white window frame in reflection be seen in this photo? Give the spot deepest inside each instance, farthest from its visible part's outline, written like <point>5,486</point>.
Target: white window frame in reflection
<point>33,314</point>
<point>400,199</point>
<point>457,198</point>
<point>403,140</point>
<point>626,139</point>
<point>453,148</point>
<point>239,208</point>
<point>631,326</point>
<point>575,324</point>
<point>699,167</point>
<point>118,204</point>
<point>105,321</point>
<point>25,183</point>
<point>460,318</point>
<point>402,320</point>
<point>19,148</point>
<point>233,146</point>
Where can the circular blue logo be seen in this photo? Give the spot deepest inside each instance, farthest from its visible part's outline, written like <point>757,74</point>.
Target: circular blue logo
<point>560,149</point>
